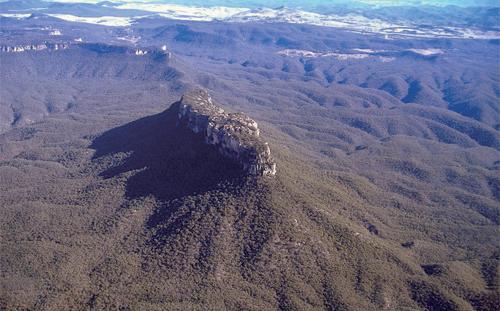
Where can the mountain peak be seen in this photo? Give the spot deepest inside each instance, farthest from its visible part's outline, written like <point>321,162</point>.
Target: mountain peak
<point>235,135</point>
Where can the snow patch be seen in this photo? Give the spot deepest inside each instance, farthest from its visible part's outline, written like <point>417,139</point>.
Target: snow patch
<point>350,22</point>
<point>427,52</point>
<point>385,59</point>
<point>103,20</point>
<point>183,12</point>
<point>311,54</point>
<point>16,16</point>
<point>131,39</point>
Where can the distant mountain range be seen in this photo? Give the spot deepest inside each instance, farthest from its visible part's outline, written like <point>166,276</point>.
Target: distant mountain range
<point>421,21</point>
<point>304,4</point>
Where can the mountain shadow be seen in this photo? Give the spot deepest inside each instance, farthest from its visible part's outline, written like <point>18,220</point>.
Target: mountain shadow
<point>165,160</point>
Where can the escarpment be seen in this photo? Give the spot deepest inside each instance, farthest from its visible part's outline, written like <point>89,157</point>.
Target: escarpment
<point>154,52</point>
<point>34,47</point>
<point>235,135</point>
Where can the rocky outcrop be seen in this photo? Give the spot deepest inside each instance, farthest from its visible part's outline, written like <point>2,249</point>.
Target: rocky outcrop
<point>34,47</point>
<point>153,52</point>
<point>233,134</point>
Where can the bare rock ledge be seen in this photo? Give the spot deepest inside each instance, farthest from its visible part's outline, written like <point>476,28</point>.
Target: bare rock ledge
<point>235,135</point>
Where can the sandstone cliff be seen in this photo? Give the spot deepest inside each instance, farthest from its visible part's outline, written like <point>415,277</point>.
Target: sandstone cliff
<point>34,47</point>
<point>233,134</point>
<point>154,52</point>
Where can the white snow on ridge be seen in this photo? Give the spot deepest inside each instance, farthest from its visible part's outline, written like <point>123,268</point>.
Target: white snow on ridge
<point>350,22</point>
<point>131,39</point>
<point>103,20</point>
<point>362,54</point>
<point>176,11</point>
<point>311,54</point>
<point>357,23</point>
<point>427,52</point>
<point>368,51</point>
<point>16,16</point>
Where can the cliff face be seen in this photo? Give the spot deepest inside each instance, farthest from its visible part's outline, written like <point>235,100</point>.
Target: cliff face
<point>34,47</point>
<point>96,47</point>
<point>233,134</point>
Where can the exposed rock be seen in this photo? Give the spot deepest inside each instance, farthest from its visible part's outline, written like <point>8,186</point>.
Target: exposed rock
<point>141,52</point>
<point>408,244</point>
<point>97,47</point>
<point>153,52</point>
<point>55,33</point>
<point>233,134</point>
<point>34,47</point>
<point>433,269</point>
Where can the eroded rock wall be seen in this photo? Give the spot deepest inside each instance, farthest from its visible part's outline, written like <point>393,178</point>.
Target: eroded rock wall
<point>34,47</point>
<point>233,134</point>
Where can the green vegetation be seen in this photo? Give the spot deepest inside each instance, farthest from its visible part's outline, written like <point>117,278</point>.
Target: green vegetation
<point>156,219</point>
<point>377,204</point>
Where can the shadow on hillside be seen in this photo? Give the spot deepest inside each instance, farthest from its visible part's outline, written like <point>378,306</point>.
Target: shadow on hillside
<point>167,161</point>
